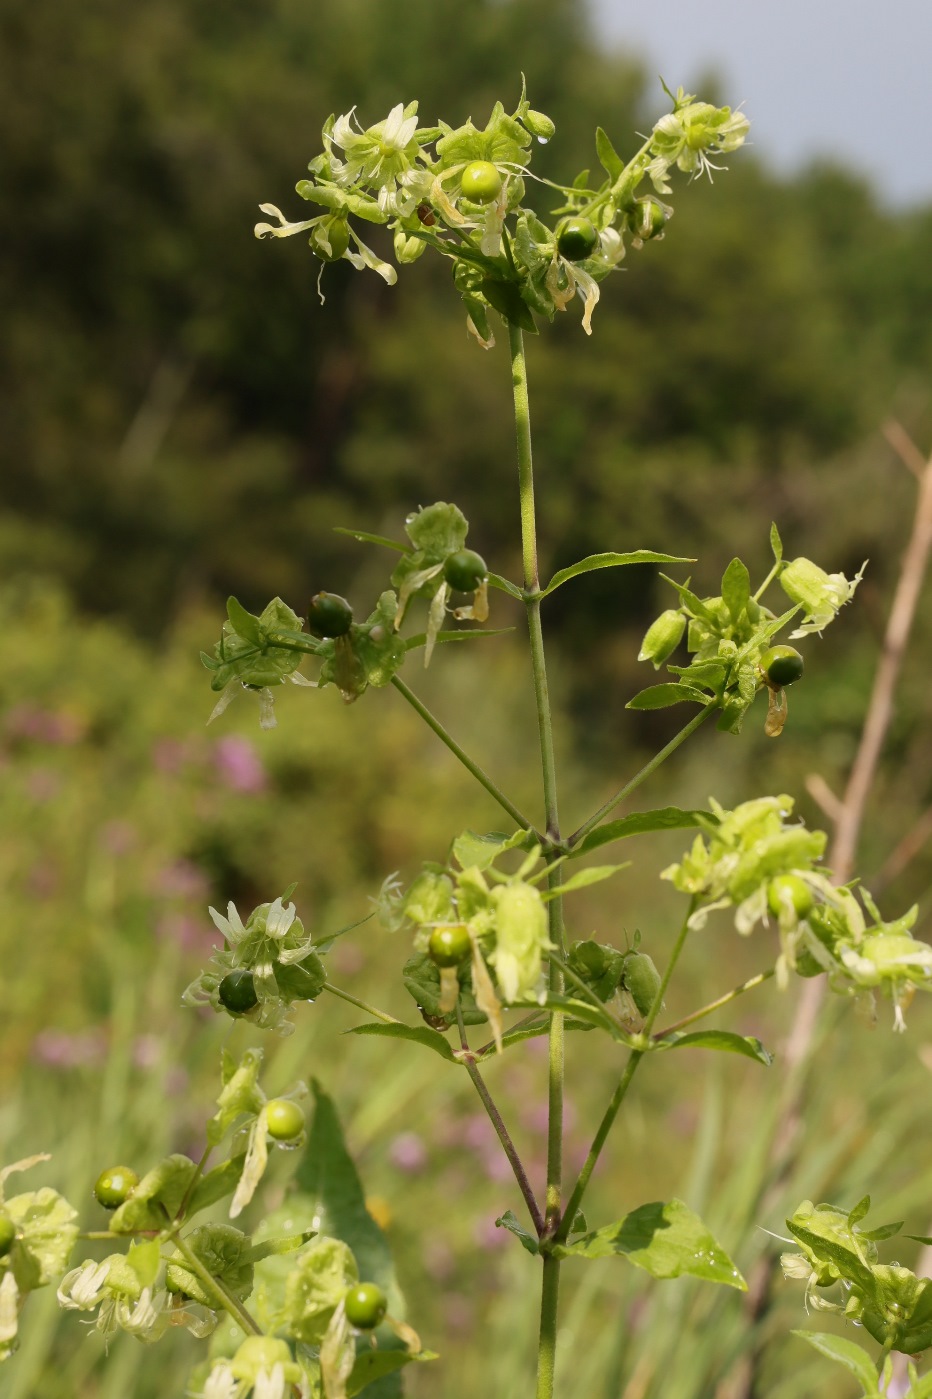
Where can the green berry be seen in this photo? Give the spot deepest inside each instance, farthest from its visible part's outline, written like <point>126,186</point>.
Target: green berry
<point>448,946</point>
<point>336,232</point>
<point>647,219</point>
<point>237,991</point>
<point>7,1234</point>
<point>798,891</point>
<point>481,182</point>
<point>365,1304</point>
<point>114,1185</point>
<point>576,239</point>
<point>781,665</point>
<point>465,570</point>
<point>329,615</point>
<point>283,1119</point>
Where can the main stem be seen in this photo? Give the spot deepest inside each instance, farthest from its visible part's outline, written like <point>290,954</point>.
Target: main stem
<point>547,1343</point>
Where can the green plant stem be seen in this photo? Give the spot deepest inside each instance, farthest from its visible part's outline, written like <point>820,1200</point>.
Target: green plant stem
<point>481,777</point>
<point>362,1005</point>
<point>642,776</point>
<point>550,1286</point>
<point>180,1212</point>
<point>748,985</point>
<point>229,1303</point>
<point>618,1097</point>
<point>497,1121</point>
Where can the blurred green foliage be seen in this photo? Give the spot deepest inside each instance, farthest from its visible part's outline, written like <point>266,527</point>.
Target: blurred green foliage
<point>182,419</point>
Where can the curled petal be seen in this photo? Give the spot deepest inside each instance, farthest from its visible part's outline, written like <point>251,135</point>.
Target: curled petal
<point>257,1155</point>
<point>367,258</point>
<point>284,229</point>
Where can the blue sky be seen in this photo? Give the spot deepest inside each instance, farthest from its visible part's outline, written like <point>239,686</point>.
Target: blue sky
<point>847,78</point>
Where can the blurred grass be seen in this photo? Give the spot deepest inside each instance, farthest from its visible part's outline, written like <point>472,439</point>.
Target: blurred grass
<point>122,817</point>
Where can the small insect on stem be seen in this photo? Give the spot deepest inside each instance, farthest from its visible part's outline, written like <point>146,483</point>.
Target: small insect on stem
<point>426,215</point>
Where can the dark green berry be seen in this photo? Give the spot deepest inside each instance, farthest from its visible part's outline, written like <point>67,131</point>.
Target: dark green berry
<point>781,665</point>
<point>365,1304</point>
<point>7,1234</point>
<point>237,991</point>
<point>329,615</point>
<point>576,239</point>
<point>465,570</point>
<point>114,1185</point>
<point>449,945</point>
<point>481,182</point>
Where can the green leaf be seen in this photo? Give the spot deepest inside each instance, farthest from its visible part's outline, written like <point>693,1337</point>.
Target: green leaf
<point>593,875</point>
<point>244,623</point>
<point>504,585</point>
<point>736,588</point>
<point>609,158</point>
<point>470,849</point>
<point>845,1260</point>
<point>776,544</point>
<point>155,1200</point>
<point>222,1180</point>
<point>418,1034</point>
<point>724,1040</point>
<point>372,1365</point>
<point>666,1240</point>
<point>327,1174</point>
<point>662,696</point>
<point>847,1353</point>
<point>609,560</point>
<point>413,643</point>
<point>365,538</point>
<point>509,1221</point>
<point>664,818</point>
<point>921,1388</point>
<point>588,1013</point>
<point>883,1231</point>
<point>506,298</point>
<point>528,1032</point>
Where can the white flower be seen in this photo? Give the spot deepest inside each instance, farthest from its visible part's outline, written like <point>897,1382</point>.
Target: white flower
<point>82,1288</point>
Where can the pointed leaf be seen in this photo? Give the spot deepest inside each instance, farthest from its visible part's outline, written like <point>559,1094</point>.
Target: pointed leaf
<point>776,544</point>
<point>666,1240</point>
<point>587,1012</point>
<point>724,1040</point>
<point>528,1032</point>
<point>417,1034</point>
<point>736,588</point>
<point>593,875</point>
<point>860,1211</point>
<point>664,818</point>
<point>883,1231</point>
<point>609,158</point>
<point>222,1180</point>
<point>610,560</point>
<point>365,538</point>
<point>372,1365</point>
<point>243,622</point>
<point>847,1353</point>
<point>845,1259</point>
<point>328,1175</point>
<point>662,696</point>
<point>504,585</point>
<point>479,851</point>
<point>528,1241</point>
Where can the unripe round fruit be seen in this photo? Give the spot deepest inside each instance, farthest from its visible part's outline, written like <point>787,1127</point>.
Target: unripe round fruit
<point>261,1353</point>
<point>798,891</point>
<point>576,239</point>
<point>329,615</point>
<point>284,1119</point>
<point>7,1234</point>
<point>481,182</point>
<point>782,665</point>
<point>237,991</point>
<point>448,946</point>
<point>465,570</point>
<point>365,1304</point>
<point>337,234</point>
<point>114,1185</point>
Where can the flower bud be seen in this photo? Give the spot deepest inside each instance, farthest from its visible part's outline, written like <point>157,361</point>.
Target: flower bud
<point>538,124</point>
<point>663,637</point>
<point>820,594</point>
